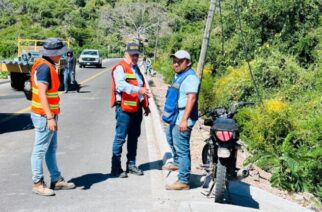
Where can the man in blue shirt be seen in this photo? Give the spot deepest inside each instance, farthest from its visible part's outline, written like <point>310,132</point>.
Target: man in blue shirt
<point>178,134</point>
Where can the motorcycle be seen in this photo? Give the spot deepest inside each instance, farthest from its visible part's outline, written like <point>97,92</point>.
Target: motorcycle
<point>219,154</point>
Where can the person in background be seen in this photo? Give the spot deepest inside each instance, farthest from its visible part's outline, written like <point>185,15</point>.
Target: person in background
<point>147,64</point>
<point>70,72</point>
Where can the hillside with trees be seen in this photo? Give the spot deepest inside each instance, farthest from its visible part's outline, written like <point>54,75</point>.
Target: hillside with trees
<point>282,39</point>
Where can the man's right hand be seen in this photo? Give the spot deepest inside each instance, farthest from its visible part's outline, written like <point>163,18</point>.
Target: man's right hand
<point>144,91</point>
<point>52,126</point>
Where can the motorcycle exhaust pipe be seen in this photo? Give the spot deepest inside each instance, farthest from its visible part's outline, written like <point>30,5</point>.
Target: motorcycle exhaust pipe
<point>242,173</point>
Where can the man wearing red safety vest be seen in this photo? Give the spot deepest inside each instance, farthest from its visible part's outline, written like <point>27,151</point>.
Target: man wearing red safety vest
<point>44,114</point>
<point>129,97</point>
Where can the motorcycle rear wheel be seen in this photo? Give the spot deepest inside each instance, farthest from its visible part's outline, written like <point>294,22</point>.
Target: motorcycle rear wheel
<point>206,155</point>
<point>221,178</point>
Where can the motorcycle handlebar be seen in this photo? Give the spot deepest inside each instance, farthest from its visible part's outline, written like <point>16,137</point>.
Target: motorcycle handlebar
<point>220,111</point>
<point>245,103</point>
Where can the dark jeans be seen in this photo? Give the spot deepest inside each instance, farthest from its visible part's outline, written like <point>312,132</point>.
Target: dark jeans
<point>69,75</point>
<point>127,124</point>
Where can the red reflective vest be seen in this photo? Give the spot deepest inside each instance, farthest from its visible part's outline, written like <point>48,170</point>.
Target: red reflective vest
<point>129,102</point>
<point>52,93</point>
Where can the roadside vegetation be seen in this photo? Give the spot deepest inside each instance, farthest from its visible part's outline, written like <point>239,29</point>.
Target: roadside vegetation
<point>33,19</point>
<point>4,75</point>
<point>284,44</point>
<point>283,39</point>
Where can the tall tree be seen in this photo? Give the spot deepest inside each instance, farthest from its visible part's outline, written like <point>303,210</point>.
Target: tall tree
<point>134,21</point>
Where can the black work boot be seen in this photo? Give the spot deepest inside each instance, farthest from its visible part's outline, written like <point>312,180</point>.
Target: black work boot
<point>134,170</point>
<point>118,172</point>
<point>78,87</point>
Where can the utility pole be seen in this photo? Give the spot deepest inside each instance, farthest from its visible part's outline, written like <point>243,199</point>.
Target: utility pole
<point>206,37</point>
<point>156,41</point>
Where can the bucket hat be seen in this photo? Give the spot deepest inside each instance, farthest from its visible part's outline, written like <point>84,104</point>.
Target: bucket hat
<point>53,47</point>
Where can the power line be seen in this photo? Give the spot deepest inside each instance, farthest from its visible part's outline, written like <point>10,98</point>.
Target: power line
<point>245,51</point>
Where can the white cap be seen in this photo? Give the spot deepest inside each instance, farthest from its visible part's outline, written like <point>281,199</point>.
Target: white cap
<point>181,54</point>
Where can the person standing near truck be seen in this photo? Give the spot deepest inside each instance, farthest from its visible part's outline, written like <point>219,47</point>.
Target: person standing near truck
<point>44,115</point>
<point>70,72</point>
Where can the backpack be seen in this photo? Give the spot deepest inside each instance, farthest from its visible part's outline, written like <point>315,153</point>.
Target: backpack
<point>171,109</point>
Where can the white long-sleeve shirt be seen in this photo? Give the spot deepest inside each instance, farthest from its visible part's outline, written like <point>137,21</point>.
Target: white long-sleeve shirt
<point>123,86</point>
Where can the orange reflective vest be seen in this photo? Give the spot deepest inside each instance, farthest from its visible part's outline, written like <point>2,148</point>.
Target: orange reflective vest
<point>52,93</point>
<point>129,102</point>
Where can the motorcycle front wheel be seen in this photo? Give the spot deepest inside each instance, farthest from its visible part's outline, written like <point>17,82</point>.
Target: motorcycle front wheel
<point>221,178</point>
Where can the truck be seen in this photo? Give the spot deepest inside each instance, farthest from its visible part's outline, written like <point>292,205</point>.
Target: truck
<point>20,67</point>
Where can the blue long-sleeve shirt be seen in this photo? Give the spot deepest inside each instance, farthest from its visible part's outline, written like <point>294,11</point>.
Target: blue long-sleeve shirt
<point>123,86</point>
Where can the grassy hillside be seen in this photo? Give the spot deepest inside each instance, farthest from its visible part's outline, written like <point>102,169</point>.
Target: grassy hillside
<point>34,19</point>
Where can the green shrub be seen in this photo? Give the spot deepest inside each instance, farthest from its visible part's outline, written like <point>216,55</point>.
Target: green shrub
<point>4,75</point>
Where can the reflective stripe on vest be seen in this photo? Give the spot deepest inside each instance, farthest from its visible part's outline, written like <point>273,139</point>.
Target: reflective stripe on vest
<point>48,94</point>
<point>130,76</point>
<point>130,103</point>
<point>39,105</point>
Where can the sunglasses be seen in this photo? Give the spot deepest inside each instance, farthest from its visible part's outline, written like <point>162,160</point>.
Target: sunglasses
<point>178,61</point>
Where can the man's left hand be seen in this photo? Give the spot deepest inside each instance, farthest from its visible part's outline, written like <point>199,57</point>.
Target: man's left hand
<point>147,111</point>
<point>183,126</point>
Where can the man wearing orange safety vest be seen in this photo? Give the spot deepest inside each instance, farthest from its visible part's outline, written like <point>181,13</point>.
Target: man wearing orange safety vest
<point>129,96</point>
<point>44,114</point>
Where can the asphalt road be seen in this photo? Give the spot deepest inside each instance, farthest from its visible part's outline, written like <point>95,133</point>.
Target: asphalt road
<point>86,132</point>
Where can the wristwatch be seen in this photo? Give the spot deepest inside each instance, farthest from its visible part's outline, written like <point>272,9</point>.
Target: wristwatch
<point>50,118</point>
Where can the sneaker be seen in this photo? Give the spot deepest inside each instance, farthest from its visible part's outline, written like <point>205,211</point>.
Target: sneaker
<point>119,173</point>
<point>134,170</point>
<point>170,167</point>
<point>41,189</point>
<point>61,184</point>
<point>65,91</point>
<point>177,186</point>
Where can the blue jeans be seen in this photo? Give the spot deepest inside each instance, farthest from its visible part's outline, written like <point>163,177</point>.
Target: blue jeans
<point>179,143</point>
<point>127,124</point>
<point>68,75</point>
<point>45,146</point>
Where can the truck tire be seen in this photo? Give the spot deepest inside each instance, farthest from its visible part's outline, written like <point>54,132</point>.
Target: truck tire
<point>28,90</point>
<point>17,81</point>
